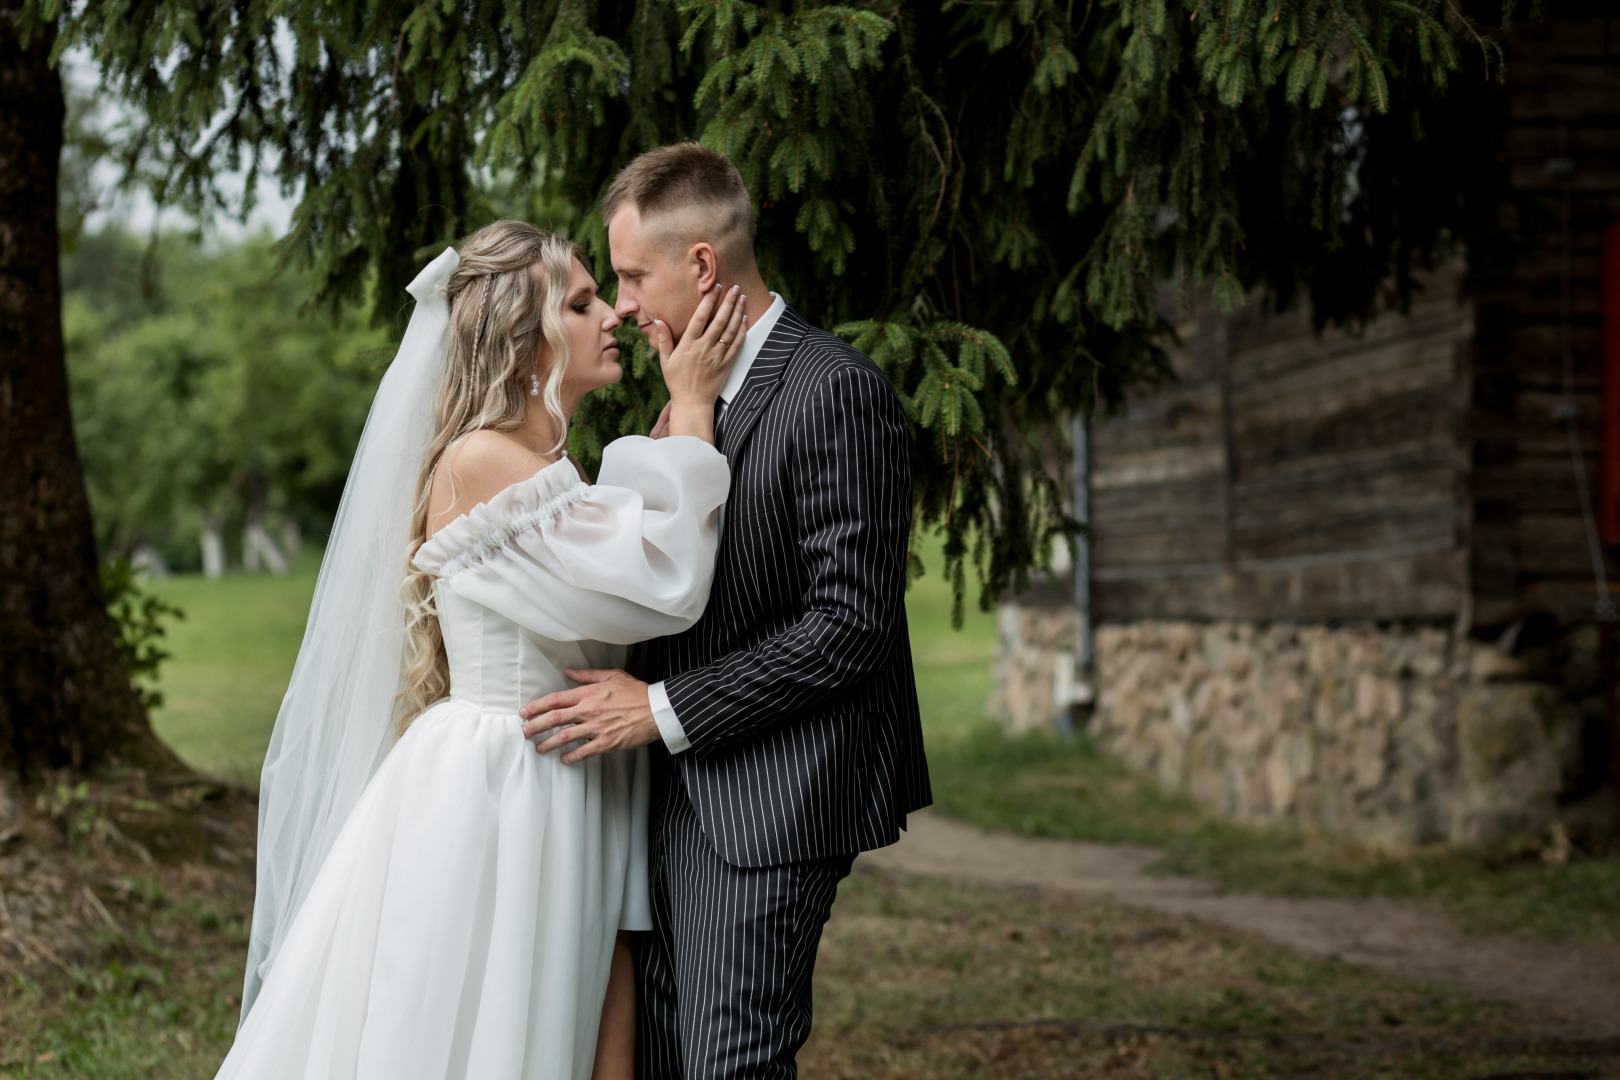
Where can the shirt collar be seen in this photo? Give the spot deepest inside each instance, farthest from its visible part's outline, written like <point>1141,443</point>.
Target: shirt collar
<point>758,330</point>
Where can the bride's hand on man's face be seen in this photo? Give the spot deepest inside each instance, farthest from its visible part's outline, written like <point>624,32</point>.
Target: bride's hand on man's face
<point>696,369</point>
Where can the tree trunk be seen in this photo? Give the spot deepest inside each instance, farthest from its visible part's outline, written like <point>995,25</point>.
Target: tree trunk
<point>258,549</point>
<point>64,697</point>
<point>292,539</point>
<point>212,539</point>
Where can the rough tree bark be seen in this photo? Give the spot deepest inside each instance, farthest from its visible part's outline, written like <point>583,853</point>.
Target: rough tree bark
<point>64,696</point>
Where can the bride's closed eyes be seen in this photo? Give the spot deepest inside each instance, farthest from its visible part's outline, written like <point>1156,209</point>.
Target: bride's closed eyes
<point>593,343</point>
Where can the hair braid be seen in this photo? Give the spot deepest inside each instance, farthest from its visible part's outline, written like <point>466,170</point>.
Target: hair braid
<point>483,308</point>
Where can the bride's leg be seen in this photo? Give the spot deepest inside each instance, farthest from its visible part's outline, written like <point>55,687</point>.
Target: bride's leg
<point>616,1038</point>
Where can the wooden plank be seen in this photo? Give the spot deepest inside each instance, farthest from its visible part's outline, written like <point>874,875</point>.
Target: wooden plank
<point>1414,466</point>
<point>1548,544</point>
<point>1185,414</point>
<point>1538,142</point>
<point>1391,509</point>
<point>1349,467</point>
<point>1430,358</point>
<point>1553,75</point>
<point>1170,465</point>
<point>1532,485</point>
<point>1159,548</point>
<point>1140,521</point>
<point>1424,416</point>
<point>1256,324</point>
<point>1540,262</point>
<point>1529,357</point>
<point>1285,498</point>
<point>1256,358</point>
<point>1567,39</point>
<point>1143,540</point>
<point>1537,299</point>
<point>1536,426</point>
<point>1117,508</point>
<point>1568,599</point>
<point>1164,597</point>
<point>1561,102</point>
<point>1409,584</point>
<point>1433,524</point>
<point>1425,584</point>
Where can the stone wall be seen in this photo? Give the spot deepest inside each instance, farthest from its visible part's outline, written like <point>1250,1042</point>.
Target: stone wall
<point>1394,735</point>
<point>1033,639</point>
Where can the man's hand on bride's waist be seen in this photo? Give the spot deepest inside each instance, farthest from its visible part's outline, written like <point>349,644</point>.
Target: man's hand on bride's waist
<point>610,712</point>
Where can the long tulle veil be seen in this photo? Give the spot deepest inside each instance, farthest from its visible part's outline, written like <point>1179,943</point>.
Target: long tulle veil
<point>336,722</point>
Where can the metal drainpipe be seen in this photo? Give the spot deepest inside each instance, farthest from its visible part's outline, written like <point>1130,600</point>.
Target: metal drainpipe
<point>1071,672</point>
<point>1082,553</point>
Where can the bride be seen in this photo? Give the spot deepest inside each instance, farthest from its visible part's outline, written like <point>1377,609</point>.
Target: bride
<point>435,899</point>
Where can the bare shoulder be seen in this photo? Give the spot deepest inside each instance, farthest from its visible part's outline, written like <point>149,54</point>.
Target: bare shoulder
<point>474,470</point>
<point>487,451</point>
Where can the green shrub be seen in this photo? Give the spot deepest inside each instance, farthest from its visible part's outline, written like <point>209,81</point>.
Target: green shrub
<point>138,622</point>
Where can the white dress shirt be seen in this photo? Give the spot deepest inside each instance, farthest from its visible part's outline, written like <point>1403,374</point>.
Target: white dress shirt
<point>669,725</point>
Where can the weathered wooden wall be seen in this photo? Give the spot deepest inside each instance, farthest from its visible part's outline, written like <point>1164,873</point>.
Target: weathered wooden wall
<point>1528,542</point>
<point>1290,476</point>
<point>1422,469</point>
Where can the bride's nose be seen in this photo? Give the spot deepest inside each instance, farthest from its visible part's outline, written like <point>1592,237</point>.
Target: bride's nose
<point>612,322</point>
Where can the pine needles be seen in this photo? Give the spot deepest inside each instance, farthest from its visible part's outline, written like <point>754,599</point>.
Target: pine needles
<point>982,194</point>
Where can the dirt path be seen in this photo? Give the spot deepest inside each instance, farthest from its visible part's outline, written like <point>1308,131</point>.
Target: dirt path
<point>1575,990</point>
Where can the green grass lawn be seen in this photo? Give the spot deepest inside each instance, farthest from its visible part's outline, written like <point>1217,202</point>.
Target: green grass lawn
<point>234,653</point>
<point>232,656</point>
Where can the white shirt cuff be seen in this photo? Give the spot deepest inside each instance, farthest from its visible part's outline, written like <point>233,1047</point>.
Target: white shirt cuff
<point>669,725</point>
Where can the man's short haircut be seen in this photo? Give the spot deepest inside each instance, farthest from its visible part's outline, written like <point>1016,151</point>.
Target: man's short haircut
<point>697,193</point>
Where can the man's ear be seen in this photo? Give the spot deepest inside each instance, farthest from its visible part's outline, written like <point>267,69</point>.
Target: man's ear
<point>703,258</point>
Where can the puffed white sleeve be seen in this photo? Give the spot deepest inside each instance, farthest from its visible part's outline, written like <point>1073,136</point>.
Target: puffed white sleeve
<point>628,558</point>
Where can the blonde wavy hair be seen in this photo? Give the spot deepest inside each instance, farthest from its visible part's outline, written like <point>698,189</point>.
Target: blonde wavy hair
<point>506,299</point>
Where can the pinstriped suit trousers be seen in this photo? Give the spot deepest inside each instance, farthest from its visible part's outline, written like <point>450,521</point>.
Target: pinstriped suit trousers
<point>725,971</point>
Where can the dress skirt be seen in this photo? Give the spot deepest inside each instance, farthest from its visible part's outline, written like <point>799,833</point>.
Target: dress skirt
<point>464,922</point>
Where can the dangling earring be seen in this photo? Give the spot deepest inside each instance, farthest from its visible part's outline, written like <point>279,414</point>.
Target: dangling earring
<point>534,384</point>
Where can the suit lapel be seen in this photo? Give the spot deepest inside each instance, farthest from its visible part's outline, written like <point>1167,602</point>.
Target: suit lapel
<point>737,423</point>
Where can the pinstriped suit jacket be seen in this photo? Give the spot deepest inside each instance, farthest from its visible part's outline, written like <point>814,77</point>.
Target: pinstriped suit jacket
<point>795,687</point>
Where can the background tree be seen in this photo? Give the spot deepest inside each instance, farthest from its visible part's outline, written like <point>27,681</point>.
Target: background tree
<point>203,404</point>
<point>983,195</point>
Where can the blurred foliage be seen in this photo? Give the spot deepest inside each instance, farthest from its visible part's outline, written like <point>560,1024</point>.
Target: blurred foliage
<point>138,619</point>
<point>87,140</point>
<point>985,194</point>
<point>199,391</point>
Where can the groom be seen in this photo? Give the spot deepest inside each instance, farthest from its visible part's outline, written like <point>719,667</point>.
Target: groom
<point>783,725</point>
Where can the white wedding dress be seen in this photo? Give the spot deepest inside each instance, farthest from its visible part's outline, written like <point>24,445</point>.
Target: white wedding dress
<point>462,926</point>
